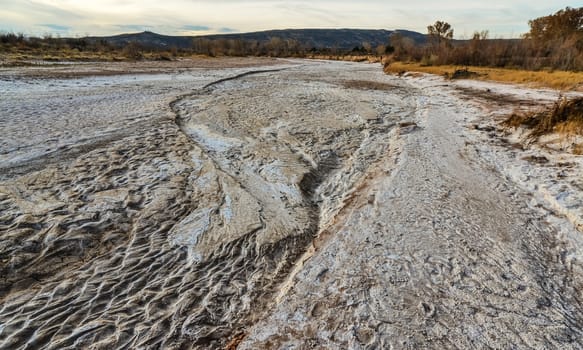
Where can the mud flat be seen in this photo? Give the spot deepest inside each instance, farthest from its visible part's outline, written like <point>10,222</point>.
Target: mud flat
<point>286,204</point>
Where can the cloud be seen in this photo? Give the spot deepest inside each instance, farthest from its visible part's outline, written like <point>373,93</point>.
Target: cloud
<point>56,27</point>
<point>501,17</point>
<point>195,28</point>
<point>134,27</point>
<point>227,30</point>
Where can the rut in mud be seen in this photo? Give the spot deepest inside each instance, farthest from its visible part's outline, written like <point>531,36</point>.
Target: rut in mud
<point>321,205</point>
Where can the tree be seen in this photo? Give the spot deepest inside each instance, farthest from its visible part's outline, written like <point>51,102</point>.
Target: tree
<point>367,47</point>
<point>133,50</point>
<point>558,38</point>
<point>382,49</point>
<point>440,33</point>
<point>559,26</point>
<point>202,46</point>
<point>478,49</point>
<point>275,46</point>
<point>401,45</point>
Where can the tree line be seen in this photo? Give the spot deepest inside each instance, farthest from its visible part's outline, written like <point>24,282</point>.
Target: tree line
<point>274,47</point>
<point>553,42</point>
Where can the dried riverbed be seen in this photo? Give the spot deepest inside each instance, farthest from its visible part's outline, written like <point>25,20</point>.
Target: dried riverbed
<point>286,204</point>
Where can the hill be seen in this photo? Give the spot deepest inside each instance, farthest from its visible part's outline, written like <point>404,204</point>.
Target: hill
<point>147,39</point>
<point>317,38</point>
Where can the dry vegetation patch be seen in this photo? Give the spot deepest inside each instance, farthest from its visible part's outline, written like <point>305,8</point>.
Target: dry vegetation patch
<point>367,85</point>
<point>347,58</point>
<point>553,79</point>
<point>565,117</point>
<point>464,73</point>
<point>495,98</point>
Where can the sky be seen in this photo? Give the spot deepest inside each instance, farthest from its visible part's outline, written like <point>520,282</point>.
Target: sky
<point>502,18</point>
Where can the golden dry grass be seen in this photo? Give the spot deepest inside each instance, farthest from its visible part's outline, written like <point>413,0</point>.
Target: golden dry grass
<point>552,79</point>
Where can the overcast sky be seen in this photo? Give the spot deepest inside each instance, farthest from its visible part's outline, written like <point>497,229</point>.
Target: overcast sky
<point>503,18</point>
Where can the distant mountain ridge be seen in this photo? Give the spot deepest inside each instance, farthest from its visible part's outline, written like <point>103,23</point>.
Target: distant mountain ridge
<point>310,38</point>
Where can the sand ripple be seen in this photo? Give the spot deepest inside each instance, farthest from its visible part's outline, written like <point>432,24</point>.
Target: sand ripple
<point>163,233</point>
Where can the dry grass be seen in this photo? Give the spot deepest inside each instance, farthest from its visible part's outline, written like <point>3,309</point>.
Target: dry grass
<point>15,56</point>
<point>564,120</point>
<point>565,117</point>
<point>517,120</point>
<point>553,79</point>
